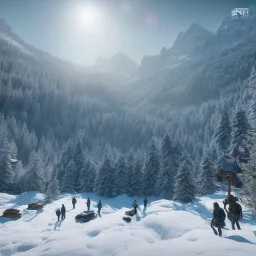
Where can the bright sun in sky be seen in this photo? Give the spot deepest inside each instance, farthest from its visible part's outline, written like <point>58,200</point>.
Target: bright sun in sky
<point>88,18</point>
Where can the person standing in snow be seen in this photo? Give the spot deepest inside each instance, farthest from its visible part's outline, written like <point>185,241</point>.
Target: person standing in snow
<point>58,214</point>
<point>74,202</point>
<point>135,206</point>
<point>88,204</point>
<point>145,202</point>
<point>234,211</point>
<point>218,219</point>
<point>99,206</point>
<point>63,212</point>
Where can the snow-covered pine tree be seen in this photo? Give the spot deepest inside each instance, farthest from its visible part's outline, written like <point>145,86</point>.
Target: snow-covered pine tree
<point>53,190</point>
<point>68,183</point>
<point>252,86</point>
<point>248,190</point>
<point>6,172</point>
<point>207,175</point>
<point>184,190</point>
<point>241,128</point>
<point>79,161</point>
<point>137,179</point>
<point>223,132</point>
<point>166,177</point>
<point>35,175</point>
<point>151,169</point>
<point>120,177</point>
<point>87,177</point>
<point>130,170</point>
<point>104,182</point>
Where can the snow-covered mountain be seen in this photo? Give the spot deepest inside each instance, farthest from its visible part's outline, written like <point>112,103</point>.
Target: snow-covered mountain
<point>118,64</point>
<point>164,228</point>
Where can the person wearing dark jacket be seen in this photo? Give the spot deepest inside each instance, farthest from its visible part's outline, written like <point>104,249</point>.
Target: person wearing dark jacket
<point>58,212</point>
<point>234,212</point>
<point>218,219</point>
<point>74,202</point>
<point>135,206</point>
<point>63,212</point>
<point>88,203</point>
<point>145,202</point>
<point>99,206</point>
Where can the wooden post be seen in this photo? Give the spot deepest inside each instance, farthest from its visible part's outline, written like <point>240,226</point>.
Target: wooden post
<point>229,185</point>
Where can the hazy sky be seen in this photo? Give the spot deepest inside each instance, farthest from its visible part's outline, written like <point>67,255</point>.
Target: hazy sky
<point>83,30</point>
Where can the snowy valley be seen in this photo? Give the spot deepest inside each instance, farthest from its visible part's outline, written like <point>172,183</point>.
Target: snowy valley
<point>164,228</point>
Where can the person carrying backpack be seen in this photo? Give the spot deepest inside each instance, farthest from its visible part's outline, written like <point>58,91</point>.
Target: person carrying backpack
<point>218,220</point>
<point>135,206</point>
<point>74,202</point>
<point>235,212</point>
<point>58,212</point>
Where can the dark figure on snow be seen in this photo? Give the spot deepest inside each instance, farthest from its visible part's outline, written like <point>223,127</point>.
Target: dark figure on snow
<point>135,206</point>
<point>145,202</point>
<point>88,203</point>
<point>63,212</point>
<point>234,211</point>
<point>99,206</point>
<point>218,219</point>
<point>74,202</point>
<point>58,212</point>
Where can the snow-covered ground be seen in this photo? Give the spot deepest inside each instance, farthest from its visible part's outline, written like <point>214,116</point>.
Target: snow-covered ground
<point>165,228</point>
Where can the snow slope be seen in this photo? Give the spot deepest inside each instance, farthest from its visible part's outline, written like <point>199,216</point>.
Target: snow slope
<point>165,228</point>
<point>7,39</point>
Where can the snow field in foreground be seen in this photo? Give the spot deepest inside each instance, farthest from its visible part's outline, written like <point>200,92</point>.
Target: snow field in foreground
<point>165,228</point>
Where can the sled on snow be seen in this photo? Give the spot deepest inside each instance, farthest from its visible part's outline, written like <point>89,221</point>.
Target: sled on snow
<point>130,213</point>
<point>86,216</point>
<point>12,213</point>
<point>35,206</point>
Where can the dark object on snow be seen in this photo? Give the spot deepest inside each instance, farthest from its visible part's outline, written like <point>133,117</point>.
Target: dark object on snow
<point>130,213</point>
<point>74,202</point>
<point>145,202</point>
<point>63,212</point>
<point>35,206</point>
<point>88,203</point>
<point>58,212</point>
<point>234,212</point>
<point>218,220</point>
<point>86,216</point>
<point>99,205</point>
<point>127,219</point>
<point>135,206</point>
<point>12,213</point>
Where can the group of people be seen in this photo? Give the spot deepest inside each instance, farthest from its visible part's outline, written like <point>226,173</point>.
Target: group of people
<point>234,214</point>
<point>135,205</point>
<point>62,212</point>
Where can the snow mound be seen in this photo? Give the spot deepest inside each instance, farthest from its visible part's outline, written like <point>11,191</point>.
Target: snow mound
<point>164,227</point>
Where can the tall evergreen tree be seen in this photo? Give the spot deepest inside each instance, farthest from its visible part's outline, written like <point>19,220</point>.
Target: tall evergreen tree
<point>151,169</point>
<point>87,177</point>
<point>223,132</point>
<point>53,190</point>
<point>120,177</point>
<point>137,179</point>
<point>207,175</point>
<point>104,182</point>
<point>184,190</point>
<point>6,172</point>
<point>130,173</point>
<point>165,182</point>
<point>68,182</point>
<point>241,128</point>
<point>35,175</point>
